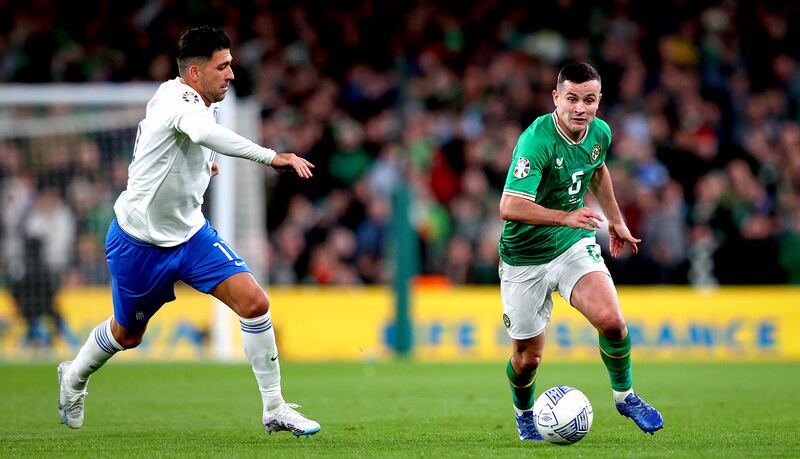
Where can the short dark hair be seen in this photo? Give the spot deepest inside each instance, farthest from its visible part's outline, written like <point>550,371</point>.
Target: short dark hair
<point>200,41</point>
<point>578,72</point>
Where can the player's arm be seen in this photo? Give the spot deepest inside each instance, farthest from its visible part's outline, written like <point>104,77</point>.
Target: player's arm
<point>202,130</point>
<point>602,189</point>
<point>518,209</point>
<point>518,202</point>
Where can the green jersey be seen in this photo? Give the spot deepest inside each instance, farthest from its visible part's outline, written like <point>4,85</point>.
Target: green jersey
<point>552,170</point>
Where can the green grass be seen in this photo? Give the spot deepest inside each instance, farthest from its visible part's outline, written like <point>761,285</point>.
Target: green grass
<point>396,410</point>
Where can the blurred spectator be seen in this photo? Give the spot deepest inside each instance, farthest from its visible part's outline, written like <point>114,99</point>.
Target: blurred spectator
<point>52,222</point>
<point>666,235</point>
<point>34,290</point>
<point>790,248</point>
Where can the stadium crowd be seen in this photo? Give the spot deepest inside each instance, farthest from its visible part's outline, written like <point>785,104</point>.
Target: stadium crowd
<point>703,99</point>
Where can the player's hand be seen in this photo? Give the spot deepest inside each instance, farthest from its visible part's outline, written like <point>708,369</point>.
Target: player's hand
<point>584,218</point>
<point>286,162</point>
<point>214,168</point>
<point>620,234</point>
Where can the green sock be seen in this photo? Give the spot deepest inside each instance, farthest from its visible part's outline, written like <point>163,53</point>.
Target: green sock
<point>617,357</point>
<point>522,387</point>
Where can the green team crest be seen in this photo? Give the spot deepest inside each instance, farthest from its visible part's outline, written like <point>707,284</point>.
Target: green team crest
<point>596,150</point>
<point>594,251</point>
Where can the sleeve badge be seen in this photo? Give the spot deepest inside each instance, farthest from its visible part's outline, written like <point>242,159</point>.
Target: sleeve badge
<point>190,96</point>
<point>523,168</point>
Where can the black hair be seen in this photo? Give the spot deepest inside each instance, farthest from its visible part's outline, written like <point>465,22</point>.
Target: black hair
<point>578,72</point>
<point>200,41</point>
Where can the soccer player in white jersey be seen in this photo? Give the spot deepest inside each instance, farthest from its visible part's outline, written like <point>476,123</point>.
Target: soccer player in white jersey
<point>160,236</point>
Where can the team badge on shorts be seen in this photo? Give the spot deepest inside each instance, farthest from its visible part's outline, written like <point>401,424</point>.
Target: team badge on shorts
<point>596,150</point>
<point>523,168</point>
<point>594,252</point>
<point>189,96</point>
<point>506,321</point>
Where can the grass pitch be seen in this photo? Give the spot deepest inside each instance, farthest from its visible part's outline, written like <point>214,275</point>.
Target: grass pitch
<point>396,410</point>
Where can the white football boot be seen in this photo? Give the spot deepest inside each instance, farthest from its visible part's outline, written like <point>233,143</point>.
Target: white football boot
<point>286,418</point>
<point>70,402</point>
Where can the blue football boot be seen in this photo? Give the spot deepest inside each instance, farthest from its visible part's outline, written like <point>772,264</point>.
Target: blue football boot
<point>645,416</point>
<point>527,426</point>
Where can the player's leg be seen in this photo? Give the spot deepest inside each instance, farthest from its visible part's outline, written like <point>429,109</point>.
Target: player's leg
<point>139,286</point>
<point>527,305</point>
<point>104,341</point>
<point>108,338</point>
<point>521,371</point>
<point>212,266</point>
<point>596,298</point>
<point>249,301</point>
<point>242,293</point>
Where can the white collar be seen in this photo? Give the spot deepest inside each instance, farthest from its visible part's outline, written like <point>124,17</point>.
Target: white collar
<point>566,136</point>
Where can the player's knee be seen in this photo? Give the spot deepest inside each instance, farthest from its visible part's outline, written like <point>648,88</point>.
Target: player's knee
<point>255,305</point>
<point>529,363</point>
<point>613,327</point>
<point>130,340</point>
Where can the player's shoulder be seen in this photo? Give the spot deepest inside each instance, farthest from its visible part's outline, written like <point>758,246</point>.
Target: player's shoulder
<point>603,128</point>
<point>173,93</point>
<point>541,125</point>
<point>538,136</point>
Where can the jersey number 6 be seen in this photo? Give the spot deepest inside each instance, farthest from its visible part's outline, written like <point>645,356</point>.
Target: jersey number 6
<point>576,183</point>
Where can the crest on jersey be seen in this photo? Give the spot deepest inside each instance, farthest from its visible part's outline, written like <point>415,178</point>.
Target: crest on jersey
<point>506,321</point>
<point>523,168</point>
<point>596,150</point>
<point>190,96</point>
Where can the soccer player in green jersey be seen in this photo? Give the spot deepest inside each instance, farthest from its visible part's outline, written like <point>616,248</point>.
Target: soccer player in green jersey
<point>548,243</point>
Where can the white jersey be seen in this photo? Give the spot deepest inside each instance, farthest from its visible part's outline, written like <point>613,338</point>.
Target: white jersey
<point>171,165</point>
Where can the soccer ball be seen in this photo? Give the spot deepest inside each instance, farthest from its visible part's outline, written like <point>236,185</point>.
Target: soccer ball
<point>563,415</point>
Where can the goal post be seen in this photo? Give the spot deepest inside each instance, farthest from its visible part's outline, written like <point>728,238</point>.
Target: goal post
<point>108,114</point>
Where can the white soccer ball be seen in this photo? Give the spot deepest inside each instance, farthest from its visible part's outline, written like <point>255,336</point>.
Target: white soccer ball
<point>563,415</point>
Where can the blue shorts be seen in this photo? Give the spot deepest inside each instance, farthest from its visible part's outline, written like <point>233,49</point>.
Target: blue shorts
<point>143,275</point>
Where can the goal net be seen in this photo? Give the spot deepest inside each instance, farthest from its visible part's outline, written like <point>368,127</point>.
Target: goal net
<point>64,156</point>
